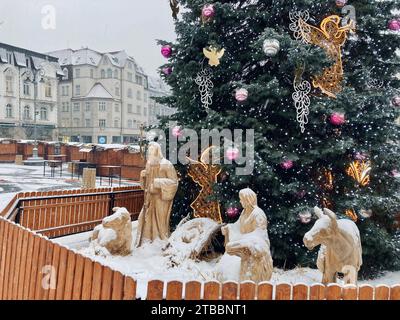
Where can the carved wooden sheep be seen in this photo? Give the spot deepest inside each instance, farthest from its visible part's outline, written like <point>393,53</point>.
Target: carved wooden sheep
<point>340,245</point>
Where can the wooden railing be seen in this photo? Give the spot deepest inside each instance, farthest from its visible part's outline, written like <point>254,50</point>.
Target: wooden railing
<point>65,212</point>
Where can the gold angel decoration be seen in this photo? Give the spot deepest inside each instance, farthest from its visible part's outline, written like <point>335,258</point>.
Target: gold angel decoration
<point>360,172</point>
<point>351,214</point>
<point>214,55</point>
<point>205,175</point>
<point>330,36</point>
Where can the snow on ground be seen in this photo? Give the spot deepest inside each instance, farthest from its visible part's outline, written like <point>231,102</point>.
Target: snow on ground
<point>150,262</point>
<point>16,178</point>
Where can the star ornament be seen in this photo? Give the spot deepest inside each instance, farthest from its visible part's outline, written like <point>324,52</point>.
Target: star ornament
<point>214,55</point>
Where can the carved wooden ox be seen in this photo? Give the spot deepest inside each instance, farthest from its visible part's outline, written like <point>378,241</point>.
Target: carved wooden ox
<point>340,245</point>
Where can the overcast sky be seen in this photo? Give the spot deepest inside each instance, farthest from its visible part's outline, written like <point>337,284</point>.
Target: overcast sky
<point>102,25</point>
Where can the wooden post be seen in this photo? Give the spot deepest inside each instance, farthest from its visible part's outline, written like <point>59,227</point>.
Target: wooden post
<point>89,178</point>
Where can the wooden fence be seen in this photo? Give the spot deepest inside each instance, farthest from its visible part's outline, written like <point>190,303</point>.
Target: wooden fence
<point>65,212</point>
<point>35,268</point>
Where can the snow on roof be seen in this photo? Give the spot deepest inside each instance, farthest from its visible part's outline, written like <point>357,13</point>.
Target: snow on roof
<point>98,91</point>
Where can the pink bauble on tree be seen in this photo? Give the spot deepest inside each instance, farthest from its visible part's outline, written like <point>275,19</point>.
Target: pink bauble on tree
<point>232,212</point>
<point>232,153</point>
<point>208,12</point>
<point>337,119</point>
<point>241,95</point>
<point>341,3</point>
<point>167,71</point>
<point>177,131</point>
<point>287,164</point>
<point>166,51</point>
<point>394,25</point>
<point>396,101</point>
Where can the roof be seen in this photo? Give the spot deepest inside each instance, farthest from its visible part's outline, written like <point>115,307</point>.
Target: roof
<point>157,85</point>
<point>98,91</point>
<point>20,52</point>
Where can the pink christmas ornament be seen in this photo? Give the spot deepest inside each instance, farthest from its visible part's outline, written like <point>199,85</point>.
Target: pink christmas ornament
<point>305,217</point>
<point>396,101</point>
<point>177,131</point>
<point>241,95</point>
<point>360,156</point>
<point>394,25</point>
<point>167,71</point>
<point>208,12</point>
<point>287,164</point>
<point>337,119</point>
<point>341,3</point>
<point>395,173</point>
<point>232,212</point>
<point>232,153</point>
<point>166,51</point>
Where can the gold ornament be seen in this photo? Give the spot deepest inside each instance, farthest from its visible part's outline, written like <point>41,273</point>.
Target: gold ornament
<point>330,37</point>
<point>205,175</point>
<point>351,214</point>
<point>213,54</point>
<point>360,172</point>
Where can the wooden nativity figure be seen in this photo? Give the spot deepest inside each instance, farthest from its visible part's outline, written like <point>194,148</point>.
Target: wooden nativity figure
<point>160,183</point>
<point>248,239</point>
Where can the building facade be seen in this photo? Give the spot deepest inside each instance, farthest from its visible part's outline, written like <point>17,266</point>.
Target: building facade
<point>28,94</point>
<point>103,97</point>
<point>157,88</point>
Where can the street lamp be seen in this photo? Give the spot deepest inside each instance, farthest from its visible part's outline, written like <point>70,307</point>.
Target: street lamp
<point>35,76</point>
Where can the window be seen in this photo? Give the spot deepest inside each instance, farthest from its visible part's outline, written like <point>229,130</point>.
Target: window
<point>116,123</point>
<point>48,90</point>
<point>130,108</point>
<point>9,111</point>
<point>102,106</point>
<point>9,84</point>
<point>145,97</point>
<point>65,91</point>
<point>117,93</point>
<point>139,80</point>
<point>87,106</point>
<point>116,107</point>
<point>91,73</point>
<point>27,89</point>
<point>115,74</point>
<point>66,74</point>
<point>27,113</point>
<point>116,139</point>
<point>77,107</point>
<point>78,90</point>
<point>130,65</point>
<point>87,139</point>
<point>139,95</point>
<point>130,124</point>
<point>43,113</point>
<point>65,106</point>
<point>103,74</point>
<point>109,73</point>
<point>130,76</point>
<point>138,109</point>
<point>88,123</point>
<point>77,73</point>
<point>77,122</point>
<point>130,93</point>
<point>102,123</point>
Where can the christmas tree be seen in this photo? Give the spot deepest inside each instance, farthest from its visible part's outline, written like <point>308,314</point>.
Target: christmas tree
<point>321,93</point>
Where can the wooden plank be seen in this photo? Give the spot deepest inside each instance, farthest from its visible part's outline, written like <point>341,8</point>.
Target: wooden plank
<point>56,265</point>
<point>49,274</point>
<point>4,227</point>
<point>395,292</point>
<point>192,290</point>
<point>155,290</point>
<point>300,292</point>
<point>333,292</point>
<point>174,290</point>
<point>78,277</point>
<point>62,273</point>
<point>24,254</point>
<point>230,290</point>
<point>317,292</point>
<point>382,292</point>
<point>129,289</point>
<point>87,279</point>
<point>247,290</point>
<point>106,284</point>
<point>28,268</point>
<point>70,274</point>
<point>264,291</point>
<point>212,290</point>
<point>366,292</point>
<point>40,268</point>
<point>11,270</point>
<point>18,258</point>
<point>96,281</point>
<point>349,292</point>
<point>118,286</point>
<point>283,291</point>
